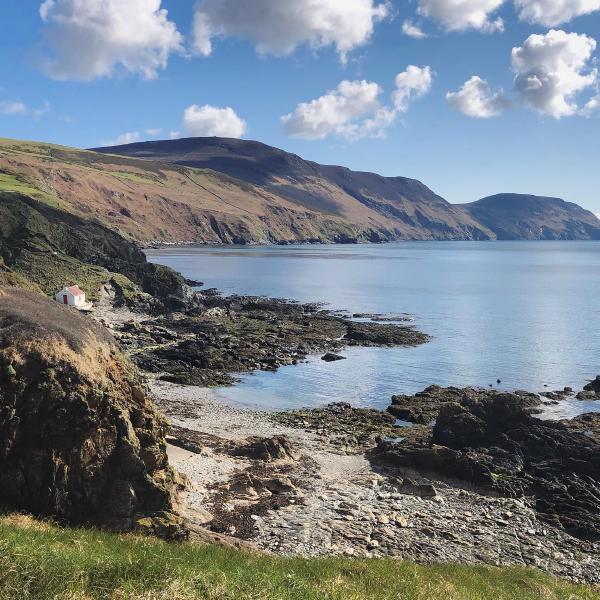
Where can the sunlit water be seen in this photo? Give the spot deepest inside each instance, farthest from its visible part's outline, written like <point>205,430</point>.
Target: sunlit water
<point>527,313</point>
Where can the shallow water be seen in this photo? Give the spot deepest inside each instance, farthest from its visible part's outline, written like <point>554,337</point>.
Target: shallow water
<point>527,313</point>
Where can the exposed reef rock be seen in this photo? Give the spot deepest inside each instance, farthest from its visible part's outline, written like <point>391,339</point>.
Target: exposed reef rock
<point>492,439</point>
<point>424,407</point>
<point>219,337</point>
<point>591,391</point>
<point>79,440</point>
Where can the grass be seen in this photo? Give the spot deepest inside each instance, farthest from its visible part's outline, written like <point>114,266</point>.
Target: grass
<point>135,177</point>
<point>14,183</point>
<point>39,561</point>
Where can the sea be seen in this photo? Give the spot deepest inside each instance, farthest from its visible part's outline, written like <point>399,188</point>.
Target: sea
<point>524,313</point>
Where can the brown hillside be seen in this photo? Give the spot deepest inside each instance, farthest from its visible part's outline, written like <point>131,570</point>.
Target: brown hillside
<point>150,200</point>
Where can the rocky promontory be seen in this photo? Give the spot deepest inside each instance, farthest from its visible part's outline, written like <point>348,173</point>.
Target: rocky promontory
<point>217,337</point>
<point>79,439</point>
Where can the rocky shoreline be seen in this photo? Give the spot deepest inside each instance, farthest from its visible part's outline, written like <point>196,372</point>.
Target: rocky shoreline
<point>400,483</point>
<point>217,337</point>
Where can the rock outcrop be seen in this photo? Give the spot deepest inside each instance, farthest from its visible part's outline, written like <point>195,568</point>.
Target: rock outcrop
<point>424,407</point>
<point>79,439</point>
<point>493,440</point>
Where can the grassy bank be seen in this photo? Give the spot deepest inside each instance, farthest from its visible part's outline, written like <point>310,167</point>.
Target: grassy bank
<point>39,561</point>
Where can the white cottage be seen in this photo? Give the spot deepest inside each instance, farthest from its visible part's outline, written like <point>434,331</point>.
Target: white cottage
<point>72,296</point>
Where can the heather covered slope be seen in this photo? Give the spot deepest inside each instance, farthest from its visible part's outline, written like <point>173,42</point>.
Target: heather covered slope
<point>150,200</point>
<point>524,217</point>
<point>382,208</point>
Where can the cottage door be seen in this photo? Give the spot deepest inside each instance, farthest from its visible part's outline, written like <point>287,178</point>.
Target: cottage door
<point>65,299</point>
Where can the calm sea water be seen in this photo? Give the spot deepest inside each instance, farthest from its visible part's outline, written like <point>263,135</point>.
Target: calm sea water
<point>527,313</point>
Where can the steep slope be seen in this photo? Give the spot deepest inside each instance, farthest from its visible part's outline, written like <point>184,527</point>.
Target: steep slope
<point>80,440</point>
<point>378,208</point>
<point>523,217</point>
<point>44,248</point>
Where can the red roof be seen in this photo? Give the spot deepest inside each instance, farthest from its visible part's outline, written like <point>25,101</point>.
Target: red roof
<point>74,289</point>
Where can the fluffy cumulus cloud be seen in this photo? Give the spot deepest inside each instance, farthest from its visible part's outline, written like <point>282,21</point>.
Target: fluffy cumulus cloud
<point>278,27</point>
<point>554,12</point>
<point>411,84</point>
<point>413,30</point>
<point>551,70</point>
<point>209,121</point>
<point>476,99</point>
<point>354,109</point>
<point>458,15</point>
<point>89,39</point>
<point>591,106</point>
<point>343,111</point>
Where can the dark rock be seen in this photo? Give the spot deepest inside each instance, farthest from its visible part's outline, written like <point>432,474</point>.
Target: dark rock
<point>423,490</point>
<point>559,395</point>
<point>222,336</point>
<point>593,386</point>
<point>491,439</point>
<point>423,408</point>
<point>378,334</point>
<point>79,439</point>
<point>591,391</point>
<point>268,449</point>
<point>331,357</point>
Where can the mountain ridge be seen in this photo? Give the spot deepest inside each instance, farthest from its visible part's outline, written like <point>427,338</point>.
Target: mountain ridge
<point>421,213</point>
<point>528,217</point>
<point>148,195</point>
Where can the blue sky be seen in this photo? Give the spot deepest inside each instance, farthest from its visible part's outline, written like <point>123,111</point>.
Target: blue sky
<point>499,137</point>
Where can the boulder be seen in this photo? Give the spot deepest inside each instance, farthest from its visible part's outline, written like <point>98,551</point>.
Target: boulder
<point>331,357</point>
<point>268,449</point>
<point>79,439</point>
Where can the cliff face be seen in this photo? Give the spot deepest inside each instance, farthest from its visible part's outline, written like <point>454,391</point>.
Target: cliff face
<point>79,440</point>
<point>523,217</point>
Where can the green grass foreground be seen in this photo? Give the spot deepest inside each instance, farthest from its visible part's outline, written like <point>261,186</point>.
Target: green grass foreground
<point>41,561</point>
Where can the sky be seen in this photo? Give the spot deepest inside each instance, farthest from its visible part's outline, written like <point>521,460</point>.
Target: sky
<point>472,97</point>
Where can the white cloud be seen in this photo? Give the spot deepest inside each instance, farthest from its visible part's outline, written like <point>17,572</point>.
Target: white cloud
<point>89,39</point>
<point>38,113</point>
<point>411,84</point>
<point>552,69</point>
<point>458,15</point>
<point>354,111</point>
<point>591,106</point>
<point>476,99</point>
<point>278,27</point>
<point>174,135</point>
<point>153,131</point>
<point>413,30</point>
<point>554,12</point>
<point>351,110</point>
<point>11,108</point>
<point>208,121</point>
<point>130,137</point>
<point>16,108</point>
